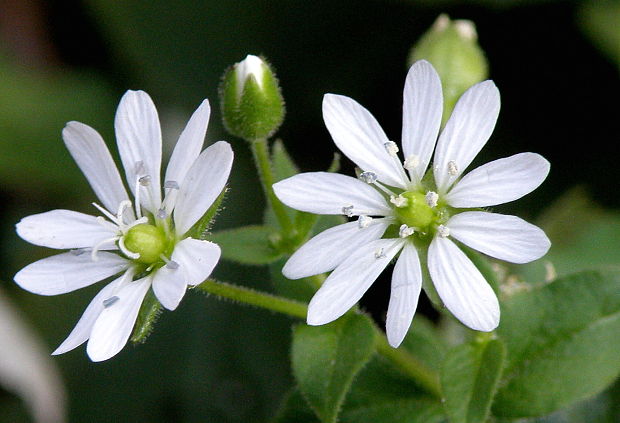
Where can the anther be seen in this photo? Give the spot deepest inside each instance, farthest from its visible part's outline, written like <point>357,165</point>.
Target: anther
<point>364,221</point>
<point>411,162</point>
<point>399,201</point>
<point>348,210</point>
<point>391,148</point>
<point>368,177</point>
<point>405,231</point>
<point>172,265</point>
<point>452,168</point>
<point>109,301</point>
<point>145,180</point>
<point>161,214</point>
<point>171,185</point>
<point>443,231</point>
<point>431,198</point>
<point>379,253</point>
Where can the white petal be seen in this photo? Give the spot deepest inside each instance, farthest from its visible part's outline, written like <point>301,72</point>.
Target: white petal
<point>358,135</point>
<point>461,286</point>
<point>351,279</point>
<point>328,193</point>
<point>197,259</point>
<point>81,331</point>
<point>203,183</point>
<point>329,248</point>
<point>499,181</point>
<point>138,135</point>
<point>504,237</point>
<point>68,271</point>
<point>93,157</point>
<point>189,145</point>
<point>169,286</point>
<point>63,229</point>
<point>115,323</point>
<point>422,110</point>
<point>467,131</point>
<point>406,287</point>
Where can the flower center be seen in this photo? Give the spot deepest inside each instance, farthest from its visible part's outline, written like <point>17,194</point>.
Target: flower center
<point>146,240</point>
<point>414,210</point>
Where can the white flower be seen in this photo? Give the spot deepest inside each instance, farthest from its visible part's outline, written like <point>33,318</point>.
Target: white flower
<point>147,245</point>
<point>425,213</point>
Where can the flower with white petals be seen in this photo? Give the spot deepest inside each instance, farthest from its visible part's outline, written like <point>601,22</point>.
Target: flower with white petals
<point>411,212</point>
<point>144,246</point>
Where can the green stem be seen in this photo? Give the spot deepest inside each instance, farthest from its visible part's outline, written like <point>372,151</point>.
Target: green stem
<point>406,362</point>
<point>260,151</point>
<point>256,298</point>
<point>410,365</point>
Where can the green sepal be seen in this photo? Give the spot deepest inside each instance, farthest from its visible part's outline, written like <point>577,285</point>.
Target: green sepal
<point>147,316</point>
<point>469,379</point>
<point>201,228</point>
<point>247,245</point>
<point>258,112</point>
<point>325,360</point>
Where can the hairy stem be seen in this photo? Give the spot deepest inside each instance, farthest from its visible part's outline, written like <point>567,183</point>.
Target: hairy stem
<point>260,151</point>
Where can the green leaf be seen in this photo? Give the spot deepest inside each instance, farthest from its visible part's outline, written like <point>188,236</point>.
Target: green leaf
<point>469,380</point>
<point>423,342</point>
<point>294,409</point>
<point>247,244</point>
<point>563,344</point>
<point>325,360</point>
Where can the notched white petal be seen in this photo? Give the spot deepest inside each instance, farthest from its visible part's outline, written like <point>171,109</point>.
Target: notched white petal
<point>499,181</point>
<point>350,280</point>
<point>461,286</point>
<point>406,287</point>
<point>504,237</point>
<point>330,193</point>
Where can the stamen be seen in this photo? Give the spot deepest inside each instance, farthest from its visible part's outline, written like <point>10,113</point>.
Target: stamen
<point>431,198</point>
<point>108,225</point>
<point>443,231</point>
<point>106,213</point>
<point>392,148</point>
<point>364,221</point>
<point>109,301</point>
<point>411,162</point>
<point>379,254</point>
<point>399,201</point>
<point>95,250</point>
<point>130,254</point>
<point>368,177</point>
<point>348,210</point>
<point>453,170</point>
<point>161,214</point>
<point>171,185</point>
<point>405,231</point>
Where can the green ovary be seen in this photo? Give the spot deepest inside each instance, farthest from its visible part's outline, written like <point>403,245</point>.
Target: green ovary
<point>416,213</point>
<point>147,240</point>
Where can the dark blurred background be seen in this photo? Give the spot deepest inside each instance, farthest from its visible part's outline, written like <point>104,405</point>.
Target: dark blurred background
<point>556,64</point>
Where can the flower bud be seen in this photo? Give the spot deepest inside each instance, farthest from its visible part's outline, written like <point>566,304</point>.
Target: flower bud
<point>453,50</point>
<point>252,105</point>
